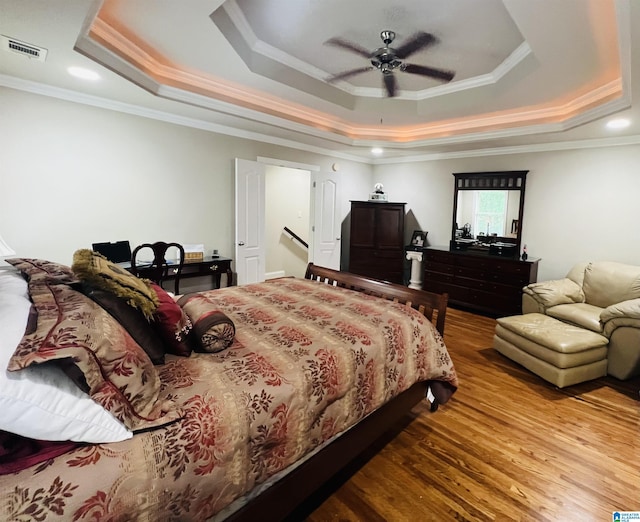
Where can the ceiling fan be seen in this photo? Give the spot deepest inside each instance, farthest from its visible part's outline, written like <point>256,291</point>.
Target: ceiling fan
<point>389,59</point>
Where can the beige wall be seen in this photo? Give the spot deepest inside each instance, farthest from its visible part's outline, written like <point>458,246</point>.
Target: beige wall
<point>579,205</point>
<point>72,174</point>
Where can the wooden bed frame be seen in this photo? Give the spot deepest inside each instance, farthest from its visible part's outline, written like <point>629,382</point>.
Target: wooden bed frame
<point>283,497</point>
<point>425,302</point>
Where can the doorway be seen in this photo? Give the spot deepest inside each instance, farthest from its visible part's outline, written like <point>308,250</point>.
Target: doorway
<point>319,221</point>
<point>287,217</point>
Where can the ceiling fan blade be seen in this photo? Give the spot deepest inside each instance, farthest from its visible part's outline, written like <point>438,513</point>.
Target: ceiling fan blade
<point>348,74</point>
<point>349,46</point>
<point>423,70</point>
<point>390,84</point>
<point>415,43</point>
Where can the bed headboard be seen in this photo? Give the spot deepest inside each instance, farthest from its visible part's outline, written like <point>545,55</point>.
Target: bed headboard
<point>425,302</point>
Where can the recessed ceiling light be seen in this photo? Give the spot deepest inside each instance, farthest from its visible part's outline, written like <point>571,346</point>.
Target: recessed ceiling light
<point>618,123</point>
<point>84,74</point>
<point>377,151</point>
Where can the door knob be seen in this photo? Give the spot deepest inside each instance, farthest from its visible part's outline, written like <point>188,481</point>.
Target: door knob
<point>241,243</point>
<point>337,239</point>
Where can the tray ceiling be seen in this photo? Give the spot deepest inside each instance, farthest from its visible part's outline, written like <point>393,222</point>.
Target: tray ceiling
<point>522,68</point>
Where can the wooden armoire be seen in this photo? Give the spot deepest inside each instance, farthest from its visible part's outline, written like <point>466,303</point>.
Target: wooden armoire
<point>376,247</point>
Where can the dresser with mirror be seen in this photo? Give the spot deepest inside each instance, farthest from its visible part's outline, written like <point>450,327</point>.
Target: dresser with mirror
<point>482,268</point>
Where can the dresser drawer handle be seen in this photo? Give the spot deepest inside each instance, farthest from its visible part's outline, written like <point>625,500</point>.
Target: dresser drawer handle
<point>213,268</point>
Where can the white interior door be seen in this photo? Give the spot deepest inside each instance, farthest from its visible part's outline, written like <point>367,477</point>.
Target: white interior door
<point>250,228</point>
<point>326,223</point>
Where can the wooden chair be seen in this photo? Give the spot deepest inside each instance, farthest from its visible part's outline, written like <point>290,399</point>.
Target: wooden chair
<point>159,269</point>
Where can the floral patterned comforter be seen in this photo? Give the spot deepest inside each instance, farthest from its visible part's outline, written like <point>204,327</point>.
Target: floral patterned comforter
<point>308,361</point>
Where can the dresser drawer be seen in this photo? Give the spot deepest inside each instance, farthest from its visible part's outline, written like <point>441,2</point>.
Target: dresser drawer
<point>474,262</point>
<point>488,286</point>
<point>506,268</point>
<point>433,266</point>
<point>470,273</point>
<point>439,287</point>
<point>438,276</point>
<point>514,280</point>
<point>439,257</point>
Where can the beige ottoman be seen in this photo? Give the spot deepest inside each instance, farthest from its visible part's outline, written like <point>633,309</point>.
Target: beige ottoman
<point>558,352</point>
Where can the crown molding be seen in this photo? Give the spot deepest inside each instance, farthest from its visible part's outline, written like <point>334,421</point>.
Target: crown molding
<point>167,117</point>
<point>103,103</point>
<point>623,141</point>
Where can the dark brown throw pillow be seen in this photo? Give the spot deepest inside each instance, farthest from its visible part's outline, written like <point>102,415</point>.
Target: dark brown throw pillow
<point>213,330</point>
<point>132,320</point>
<point>172,324</point>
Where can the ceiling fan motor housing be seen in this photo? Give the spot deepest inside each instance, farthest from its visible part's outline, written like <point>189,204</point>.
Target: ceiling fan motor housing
<point>387,37</point>
<point>384,58</point>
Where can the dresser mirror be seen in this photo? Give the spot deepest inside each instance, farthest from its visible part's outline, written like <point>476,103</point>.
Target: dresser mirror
<point>488,211</point>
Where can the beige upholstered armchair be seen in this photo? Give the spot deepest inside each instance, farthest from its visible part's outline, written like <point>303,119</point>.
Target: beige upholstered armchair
<point>603,297</point>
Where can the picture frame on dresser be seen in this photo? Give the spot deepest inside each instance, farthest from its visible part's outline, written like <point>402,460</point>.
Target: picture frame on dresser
<point>418,240</point>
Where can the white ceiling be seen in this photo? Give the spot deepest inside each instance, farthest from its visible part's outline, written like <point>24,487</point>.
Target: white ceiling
<point>543,73</point>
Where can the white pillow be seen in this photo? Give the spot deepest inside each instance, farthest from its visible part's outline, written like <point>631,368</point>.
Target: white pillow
<point>41,401</point>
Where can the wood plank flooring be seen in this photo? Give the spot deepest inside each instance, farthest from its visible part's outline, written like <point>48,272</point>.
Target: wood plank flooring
<point>508,446</point>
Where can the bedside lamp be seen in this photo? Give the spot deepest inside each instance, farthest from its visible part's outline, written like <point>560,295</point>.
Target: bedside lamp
<point>5,250</point>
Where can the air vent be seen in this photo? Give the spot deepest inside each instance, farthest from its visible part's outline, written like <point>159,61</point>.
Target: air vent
<point>23,48</point>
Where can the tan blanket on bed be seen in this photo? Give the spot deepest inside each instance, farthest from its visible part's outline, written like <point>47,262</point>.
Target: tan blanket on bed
<point>308,361</point>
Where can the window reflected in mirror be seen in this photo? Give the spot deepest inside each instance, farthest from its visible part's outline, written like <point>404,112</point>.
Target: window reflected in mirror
<point>488,212</point>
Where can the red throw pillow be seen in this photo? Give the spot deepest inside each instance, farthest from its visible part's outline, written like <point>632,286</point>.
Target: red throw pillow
<point>172,323</point>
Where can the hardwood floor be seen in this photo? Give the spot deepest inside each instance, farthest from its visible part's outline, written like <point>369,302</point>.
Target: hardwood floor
<point>508,446</point>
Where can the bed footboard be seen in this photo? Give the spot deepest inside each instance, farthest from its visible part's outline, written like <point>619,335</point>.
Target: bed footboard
<point>425,302</point>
